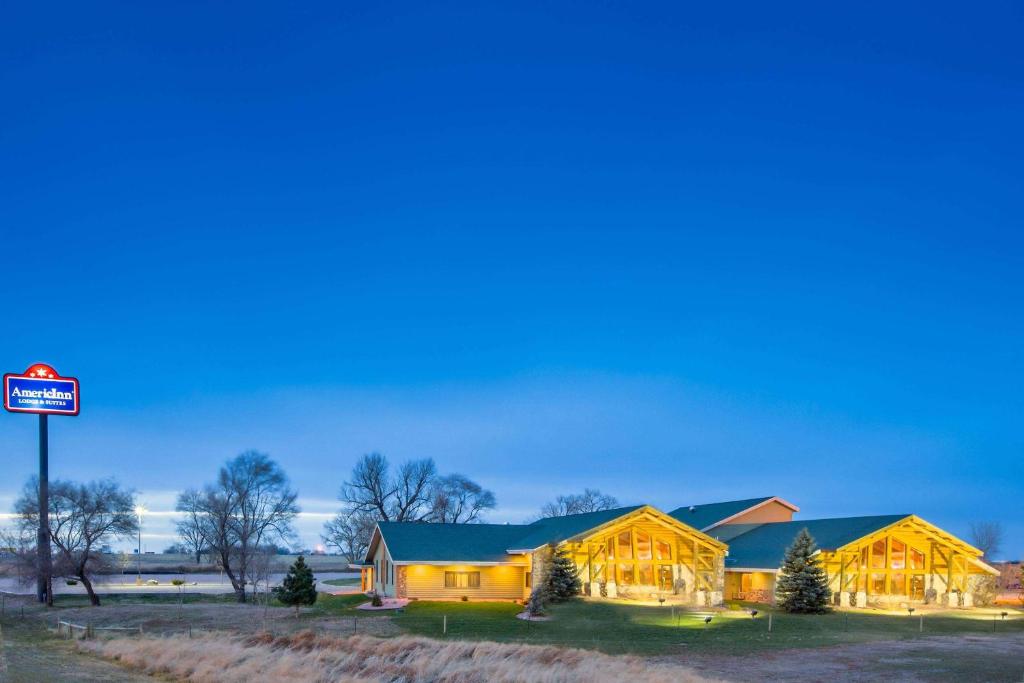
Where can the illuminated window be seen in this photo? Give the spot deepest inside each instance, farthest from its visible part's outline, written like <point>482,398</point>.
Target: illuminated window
<point>665,580</point>
<point>662,550</point>
<point>916,559</point>
<point>626,576</point>
<point>529,579</point>
<point>898,554</point>
<point>917,587</point>
<point>878,584</point>
<point>643,546</point>
<point>462,579</point>
<point>878,554</point>
<point>646,574</point>
<point>625,546</point>
<point>898,583</point>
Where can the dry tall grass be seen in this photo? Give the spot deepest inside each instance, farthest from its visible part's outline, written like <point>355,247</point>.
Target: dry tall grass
<point>223,658</point>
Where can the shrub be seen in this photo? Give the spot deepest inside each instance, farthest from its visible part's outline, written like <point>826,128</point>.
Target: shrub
<point>985,589</point>
<point>71,582</point>
<point>465,598</point>
<point>376,600</point>
<point>177,582</point>
<point>298,587</point>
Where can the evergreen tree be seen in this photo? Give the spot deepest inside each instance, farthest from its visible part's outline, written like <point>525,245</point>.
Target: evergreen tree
<point>803,585</point>
<point>298,587</point>
<point>563,580</point>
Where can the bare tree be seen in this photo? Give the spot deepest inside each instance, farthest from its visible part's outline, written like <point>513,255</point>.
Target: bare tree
<point>457,499</point>
<point>190,526</point>
<point>263,563</point>
<point>591,500</point>
<point>404,497</point>
<point>21,543</point>
<point>413,493</point>
<point>987,537</point>
<point>350,533</point>
<point>82,518</point>
<point>250,505</point>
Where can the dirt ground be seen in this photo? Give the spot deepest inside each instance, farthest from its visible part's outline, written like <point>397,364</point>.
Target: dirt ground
<point>964,659</point>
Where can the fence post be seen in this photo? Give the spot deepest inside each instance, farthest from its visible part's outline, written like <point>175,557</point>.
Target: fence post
<point>354,627</point>
<point>769,622</point>
<point>444,626</point>
<point>920,626</point>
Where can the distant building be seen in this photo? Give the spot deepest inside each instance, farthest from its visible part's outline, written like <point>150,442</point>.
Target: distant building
<point>1009,575</point>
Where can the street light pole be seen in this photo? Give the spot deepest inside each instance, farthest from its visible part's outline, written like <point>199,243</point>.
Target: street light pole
<point>138,559</point>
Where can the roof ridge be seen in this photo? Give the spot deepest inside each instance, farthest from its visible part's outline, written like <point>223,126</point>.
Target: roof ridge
<point>822,519</point>
<point>592,512</point>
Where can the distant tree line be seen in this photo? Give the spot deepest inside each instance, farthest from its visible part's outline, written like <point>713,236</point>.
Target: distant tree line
<point>245,516</point>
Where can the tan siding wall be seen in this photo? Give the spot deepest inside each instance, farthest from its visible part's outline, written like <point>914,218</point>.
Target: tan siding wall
<point>496,583</point>
<point>772,512</point>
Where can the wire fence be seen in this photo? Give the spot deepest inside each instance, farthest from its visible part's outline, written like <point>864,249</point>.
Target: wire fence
<point>678,628</point>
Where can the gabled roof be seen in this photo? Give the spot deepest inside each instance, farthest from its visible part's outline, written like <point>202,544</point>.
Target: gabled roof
<point>488,543</point>
<point>705,516</point>
<point>556,529</point>
<point>762,546</point>
<point>423,542</point>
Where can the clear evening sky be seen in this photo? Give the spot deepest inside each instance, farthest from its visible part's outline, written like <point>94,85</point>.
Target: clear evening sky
<point>679,252</point>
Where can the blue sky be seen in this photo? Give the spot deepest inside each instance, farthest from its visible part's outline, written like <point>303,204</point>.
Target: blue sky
<point>678,253</point>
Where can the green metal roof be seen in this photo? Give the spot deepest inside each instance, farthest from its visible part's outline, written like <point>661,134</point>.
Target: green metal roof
<point>555,529</point>
<point>702,516</point>
<point>423,542</point>
<point>762,546</point>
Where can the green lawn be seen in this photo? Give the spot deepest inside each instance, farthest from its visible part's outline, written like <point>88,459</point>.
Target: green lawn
<point>620,628</point>
<point>341,605</point>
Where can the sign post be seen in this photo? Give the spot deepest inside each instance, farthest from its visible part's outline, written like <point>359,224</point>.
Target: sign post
<point>40,390</point>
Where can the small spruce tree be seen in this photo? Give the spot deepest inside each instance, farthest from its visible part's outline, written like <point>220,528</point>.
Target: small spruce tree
<point>298,587</point>
<point>563,579</point>
<point>803,585</point>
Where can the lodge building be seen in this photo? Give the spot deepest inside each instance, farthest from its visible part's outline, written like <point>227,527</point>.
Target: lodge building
<point>696,555</point>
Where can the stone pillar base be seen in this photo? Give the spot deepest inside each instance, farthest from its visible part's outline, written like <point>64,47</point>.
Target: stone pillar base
<point>968,600</point>
<point>594,589</point>
<point>844,598</point>
<point>948,600</point>
<point>612,590</point>
<point>862,599</point>
<point>716,598</point>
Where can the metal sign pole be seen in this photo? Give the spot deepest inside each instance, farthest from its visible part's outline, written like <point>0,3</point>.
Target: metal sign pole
<point>44,584</point>
<point>40,390</point>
